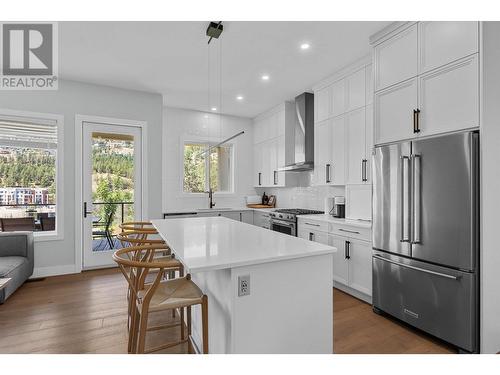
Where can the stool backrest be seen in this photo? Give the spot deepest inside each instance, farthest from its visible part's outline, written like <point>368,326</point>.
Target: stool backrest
<point>138,226</point>
<point>137,238</point>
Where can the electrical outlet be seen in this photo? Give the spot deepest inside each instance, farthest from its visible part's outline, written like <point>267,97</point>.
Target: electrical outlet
<point>243,285</point>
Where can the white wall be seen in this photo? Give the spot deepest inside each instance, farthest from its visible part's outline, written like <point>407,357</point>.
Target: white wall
<point>72,98</point>
<point>180,124</point>
<point>490,205</point>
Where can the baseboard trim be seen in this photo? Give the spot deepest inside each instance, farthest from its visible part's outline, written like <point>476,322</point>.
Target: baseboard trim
<point>64,269</point>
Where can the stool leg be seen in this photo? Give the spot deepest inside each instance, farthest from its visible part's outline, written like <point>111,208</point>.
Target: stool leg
<point>182,322</point>
<point>204,319</point>
<point>134,330</point>
<point>142,332</point>
<point>189,328</point>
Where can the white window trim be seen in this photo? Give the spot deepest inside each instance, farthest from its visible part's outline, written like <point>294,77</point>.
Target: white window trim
<point>212,140</point>
<point>58,234</point>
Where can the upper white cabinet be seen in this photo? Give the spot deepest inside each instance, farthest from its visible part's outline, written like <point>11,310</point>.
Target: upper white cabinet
<point>355,86</point>
<point>396,58</point>
<point>343,128</point>
<point>273,145</point>
<point>445,41</point>
<point>426,80</point>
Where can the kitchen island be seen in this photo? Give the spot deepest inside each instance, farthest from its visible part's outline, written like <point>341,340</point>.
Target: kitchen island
<point>287,282</point>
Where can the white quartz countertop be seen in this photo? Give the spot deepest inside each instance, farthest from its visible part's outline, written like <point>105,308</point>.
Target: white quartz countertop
<point>213,243</point>
<point>216,209</point>
<point>335,220</point>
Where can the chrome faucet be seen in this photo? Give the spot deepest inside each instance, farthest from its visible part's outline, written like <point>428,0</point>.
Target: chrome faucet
<point>211,202</point>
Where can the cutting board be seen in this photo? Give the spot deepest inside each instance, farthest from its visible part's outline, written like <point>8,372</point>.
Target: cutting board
<point>259,206</point>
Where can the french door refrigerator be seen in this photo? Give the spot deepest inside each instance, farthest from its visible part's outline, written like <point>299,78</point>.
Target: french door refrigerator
<point>426,235</point>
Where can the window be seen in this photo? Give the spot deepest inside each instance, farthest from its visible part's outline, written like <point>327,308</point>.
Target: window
<point>202,170</point>
<point>28,174</point>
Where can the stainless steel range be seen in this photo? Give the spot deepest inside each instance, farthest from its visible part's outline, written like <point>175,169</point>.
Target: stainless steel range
<point>284,220</point>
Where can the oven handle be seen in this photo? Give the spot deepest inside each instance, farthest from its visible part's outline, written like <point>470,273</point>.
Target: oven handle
<point>283,223</point>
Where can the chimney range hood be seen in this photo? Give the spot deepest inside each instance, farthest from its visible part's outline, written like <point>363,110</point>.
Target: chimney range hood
<point>304,135</point>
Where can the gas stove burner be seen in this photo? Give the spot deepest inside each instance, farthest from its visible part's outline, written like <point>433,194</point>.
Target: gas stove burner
<point>298,211</point>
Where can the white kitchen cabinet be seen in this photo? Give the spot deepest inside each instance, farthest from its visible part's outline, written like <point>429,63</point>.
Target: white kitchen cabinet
<point>442,42</point>
<point>246,217</point>
<point>323,152</point>
<point>441,95</point>
<point>322,104</point>
<point>394,108</point>
<point>368,85</point>
<point>338,97</point>
<point>313,235</point>
<point>234,215</point>
<point>338,134</point>
<point>368,142</point>
<point>340,262</point>
<point>449,97</point>
<point>396,58</point>
<point>356,90</point>
<point>261,219</point>
<point>360,265</point>
<point>356,146</point>
<point>273,146</point>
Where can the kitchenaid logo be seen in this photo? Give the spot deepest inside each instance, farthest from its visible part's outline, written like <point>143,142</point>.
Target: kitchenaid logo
<point>29,56</point>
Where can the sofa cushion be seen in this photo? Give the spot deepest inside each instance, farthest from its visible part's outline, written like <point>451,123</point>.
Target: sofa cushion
<point>14,244</point>
<point>8,265</point>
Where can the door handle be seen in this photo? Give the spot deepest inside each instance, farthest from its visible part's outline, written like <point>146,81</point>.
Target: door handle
<point>85,212</point>
<point>347,250</point>
<point>416,120</point>
<point>405,227</point>
<point>311,236</point>
<point>417,268</point>
<point>260,174</point>
<point>416,200</point>
<point>328,178</point>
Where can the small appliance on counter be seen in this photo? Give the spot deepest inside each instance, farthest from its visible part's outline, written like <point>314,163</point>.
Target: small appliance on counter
<point>338,207</point>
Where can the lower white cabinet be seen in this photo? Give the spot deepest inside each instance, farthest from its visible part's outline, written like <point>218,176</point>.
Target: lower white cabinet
<point>261,219</point>
<point>243,216</point>
<point>313,235</point>
<point>340,263</point>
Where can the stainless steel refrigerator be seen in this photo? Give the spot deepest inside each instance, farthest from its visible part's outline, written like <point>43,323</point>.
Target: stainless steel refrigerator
<point>426,235</point>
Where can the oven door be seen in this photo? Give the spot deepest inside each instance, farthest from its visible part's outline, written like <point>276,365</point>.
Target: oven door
<point>282,226</point>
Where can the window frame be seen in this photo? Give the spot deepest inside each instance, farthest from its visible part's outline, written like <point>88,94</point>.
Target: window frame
<point>211,142</point>
<point>8,114</point>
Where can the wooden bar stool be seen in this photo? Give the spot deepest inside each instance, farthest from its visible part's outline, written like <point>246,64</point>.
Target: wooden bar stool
<point>145,226</point>
<point>135,264</point>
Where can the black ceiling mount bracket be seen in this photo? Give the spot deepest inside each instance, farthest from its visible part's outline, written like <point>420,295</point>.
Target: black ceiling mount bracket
<point>214,30</point>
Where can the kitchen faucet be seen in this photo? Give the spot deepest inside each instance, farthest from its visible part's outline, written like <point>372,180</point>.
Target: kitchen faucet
<point>211,202</point>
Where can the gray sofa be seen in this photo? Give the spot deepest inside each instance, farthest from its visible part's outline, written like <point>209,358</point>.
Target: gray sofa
<point>16,260</point>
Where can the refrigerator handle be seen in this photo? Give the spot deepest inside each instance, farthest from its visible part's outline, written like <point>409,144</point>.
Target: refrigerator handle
<point>416,202</point>
<point>453,277</point>
<point>405,220</point>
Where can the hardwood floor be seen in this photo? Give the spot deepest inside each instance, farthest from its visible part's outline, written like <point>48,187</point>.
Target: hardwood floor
<point>86,313</point>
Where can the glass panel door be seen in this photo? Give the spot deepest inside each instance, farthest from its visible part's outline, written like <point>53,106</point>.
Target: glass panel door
<point>111,188</point>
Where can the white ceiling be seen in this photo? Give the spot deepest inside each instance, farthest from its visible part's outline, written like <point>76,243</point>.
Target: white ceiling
<point>171,58</point>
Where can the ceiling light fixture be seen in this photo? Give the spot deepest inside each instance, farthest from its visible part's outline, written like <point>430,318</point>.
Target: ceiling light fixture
<point>214,108</point>
<point>239,97</point>
<point>265,77</point>
<point>305,46</point>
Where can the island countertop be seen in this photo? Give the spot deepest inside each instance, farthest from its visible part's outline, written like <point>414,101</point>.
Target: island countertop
<point>214,243</point>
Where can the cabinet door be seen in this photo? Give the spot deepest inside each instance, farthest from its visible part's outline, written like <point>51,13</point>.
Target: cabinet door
<point>338,96</point>
<point>322,104</point>
<point>394,112</point>
<point>355,144</point>
<point>340,262</point>
<point>368,85</point>
<point>323,146</point>
<point>368,142</point>
<point>337,169</point>
<point>396,58</point>
<point>246,217</point>
<point>272,162</point>
<point>280,157</point>
<point>360,266</point>
<point>449,97</point>
<point>313,235</point>
<point>231,215</point>
<point>442,42</point>
<point>257,165</point>
<point>356,90</point>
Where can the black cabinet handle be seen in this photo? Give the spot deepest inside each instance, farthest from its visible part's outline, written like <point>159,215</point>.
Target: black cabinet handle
<point>364,176</point>
<point>416,120</point>
<point>275,177</point>
<point>311,236</point>
<point>347,250</point>
<point>328,179</point>
<point>260,174</point>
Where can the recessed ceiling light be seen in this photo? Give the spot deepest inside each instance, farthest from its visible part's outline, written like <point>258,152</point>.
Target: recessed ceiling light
<point>214,108</point>
<point>206,116</point>
<point>305,46</point>
<point>239,97</point>
<point>265,77</point>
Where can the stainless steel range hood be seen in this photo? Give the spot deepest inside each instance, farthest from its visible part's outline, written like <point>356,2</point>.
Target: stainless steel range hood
<point>304,135</point>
